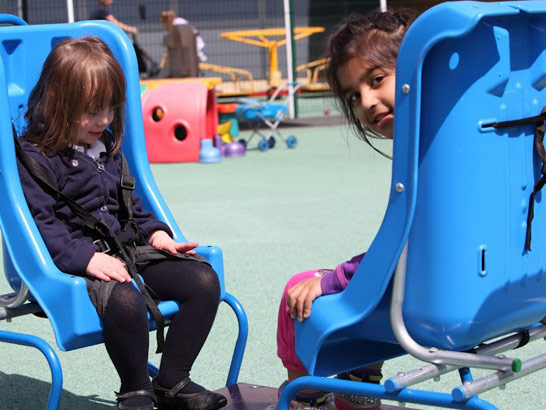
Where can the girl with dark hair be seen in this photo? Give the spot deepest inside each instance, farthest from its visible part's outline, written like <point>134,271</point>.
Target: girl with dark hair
<point>362,54</point>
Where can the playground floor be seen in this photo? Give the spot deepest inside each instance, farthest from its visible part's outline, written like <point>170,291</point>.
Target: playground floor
<point>273,213</point>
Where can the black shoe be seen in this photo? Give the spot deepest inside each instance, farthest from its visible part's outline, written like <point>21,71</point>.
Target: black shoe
<point>123,396</point>
<point>175,400</point>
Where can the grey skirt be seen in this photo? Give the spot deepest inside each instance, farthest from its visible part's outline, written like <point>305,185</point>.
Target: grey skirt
<point>99,290</point>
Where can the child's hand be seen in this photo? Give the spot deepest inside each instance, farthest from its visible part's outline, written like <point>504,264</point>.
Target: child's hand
<point>300,297</point>
<point>162,240</point>
<point>106,267</point>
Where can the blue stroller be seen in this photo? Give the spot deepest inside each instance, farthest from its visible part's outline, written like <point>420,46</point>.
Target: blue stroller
<point>268,114</point>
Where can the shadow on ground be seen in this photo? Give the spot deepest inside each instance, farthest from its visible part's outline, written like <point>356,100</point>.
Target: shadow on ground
<point>25,393</point>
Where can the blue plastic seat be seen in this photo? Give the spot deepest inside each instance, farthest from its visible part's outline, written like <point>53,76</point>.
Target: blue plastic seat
<point>62,297</point>
<point>458,206</point>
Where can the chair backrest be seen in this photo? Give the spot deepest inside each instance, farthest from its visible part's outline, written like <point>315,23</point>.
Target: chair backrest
<point>64,299</point>
<point>460,189</point>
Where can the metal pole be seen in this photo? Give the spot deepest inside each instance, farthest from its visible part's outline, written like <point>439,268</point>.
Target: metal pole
<point>20,8</point>
<point>289,58</point>
<point>70,10</point>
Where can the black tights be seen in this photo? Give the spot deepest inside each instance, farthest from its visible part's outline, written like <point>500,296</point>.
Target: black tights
<point>196,286</point>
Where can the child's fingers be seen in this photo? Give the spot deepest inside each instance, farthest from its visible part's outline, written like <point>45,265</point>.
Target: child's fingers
<point>120,274</point>
<point>186,247</point>
<point>301,303</point>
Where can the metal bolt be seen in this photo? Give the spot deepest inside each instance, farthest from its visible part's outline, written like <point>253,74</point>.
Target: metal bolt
<point>436,378</point>
<point>432,349</point>
<point>399,187</point>
<point>501,356</point>
<point>406,88</point>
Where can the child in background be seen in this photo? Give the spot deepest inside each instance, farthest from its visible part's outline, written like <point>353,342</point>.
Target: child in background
<point>362,55</point>
<point>103,12</point>
<point>74,135</point>
<point>169,19</point>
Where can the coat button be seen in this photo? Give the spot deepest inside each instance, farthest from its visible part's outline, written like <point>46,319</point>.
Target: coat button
<point>103,208</point>
<point>75,163</point>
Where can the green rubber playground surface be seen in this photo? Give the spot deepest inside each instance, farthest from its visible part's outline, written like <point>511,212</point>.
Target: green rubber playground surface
<point>274,214</point>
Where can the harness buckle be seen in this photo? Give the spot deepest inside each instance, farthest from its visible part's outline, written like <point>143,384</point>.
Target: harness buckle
<point>103,246</point>
<point>127,182</point>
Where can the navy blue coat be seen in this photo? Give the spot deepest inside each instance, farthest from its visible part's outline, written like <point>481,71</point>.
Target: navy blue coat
<point>93,187</point>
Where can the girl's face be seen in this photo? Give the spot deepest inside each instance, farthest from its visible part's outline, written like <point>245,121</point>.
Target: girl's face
<point>369,88</point>
<point>92,125</point>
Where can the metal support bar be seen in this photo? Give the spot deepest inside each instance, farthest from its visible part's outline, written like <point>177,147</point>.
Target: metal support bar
<point>433,355</point>
<point>443,400</point>
<point>499,378</point>
<point>13,300</point>
<point>430,371</point>
<point>242,336</point>
<point>27,308</point>
<point>51,357</point>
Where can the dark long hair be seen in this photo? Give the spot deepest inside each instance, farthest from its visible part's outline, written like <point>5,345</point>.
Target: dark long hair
<point>374,38</point>
<point>79,76</point>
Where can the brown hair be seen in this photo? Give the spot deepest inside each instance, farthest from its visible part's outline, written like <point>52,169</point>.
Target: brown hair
<point>79,76</point>
<point>374,38</point>
<point>167,17</point>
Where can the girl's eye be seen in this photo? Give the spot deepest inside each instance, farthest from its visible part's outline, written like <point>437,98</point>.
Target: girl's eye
<point>376,80</point>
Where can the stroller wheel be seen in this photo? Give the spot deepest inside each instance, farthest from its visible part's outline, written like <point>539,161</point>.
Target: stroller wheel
<point>271,141</point>
<point>263,145</point>
<point>291,141</point>
<point>242,141</point>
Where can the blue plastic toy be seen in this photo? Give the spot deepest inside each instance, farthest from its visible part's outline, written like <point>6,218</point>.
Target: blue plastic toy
<point>456,224</point>
<point>39,285</point>
<point>267,114</point>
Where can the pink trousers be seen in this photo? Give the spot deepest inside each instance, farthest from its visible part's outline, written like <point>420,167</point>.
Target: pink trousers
<point>286,343</point>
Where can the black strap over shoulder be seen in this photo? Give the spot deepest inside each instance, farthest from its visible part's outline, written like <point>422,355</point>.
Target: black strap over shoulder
<point>118,246</point>
<point>541,152</point>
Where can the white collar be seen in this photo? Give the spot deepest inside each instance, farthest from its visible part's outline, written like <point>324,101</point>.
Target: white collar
<point>94,149</point>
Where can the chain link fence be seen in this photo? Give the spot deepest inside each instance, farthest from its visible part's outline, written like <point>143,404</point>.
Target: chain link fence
<point>212,18</point>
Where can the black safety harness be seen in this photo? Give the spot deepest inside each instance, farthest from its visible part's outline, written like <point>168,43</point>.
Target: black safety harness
<point>541,152</point>
<point>122,244</point>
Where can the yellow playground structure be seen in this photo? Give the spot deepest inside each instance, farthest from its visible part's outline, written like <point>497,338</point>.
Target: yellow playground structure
<point>272,39</point>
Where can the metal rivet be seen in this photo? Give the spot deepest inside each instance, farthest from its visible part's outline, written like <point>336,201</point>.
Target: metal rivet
<point>399,187</point>
<point>406,88</point>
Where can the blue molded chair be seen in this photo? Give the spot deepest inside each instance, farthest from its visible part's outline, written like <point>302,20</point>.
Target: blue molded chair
<point>456,221</point>
<point>28,266</point>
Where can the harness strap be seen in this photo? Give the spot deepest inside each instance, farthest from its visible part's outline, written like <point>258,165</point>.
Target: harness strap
<point>541,152</point>
<point>126,186</point>
<point>100,226</point>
